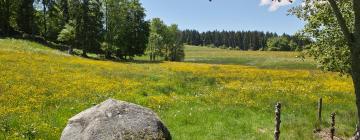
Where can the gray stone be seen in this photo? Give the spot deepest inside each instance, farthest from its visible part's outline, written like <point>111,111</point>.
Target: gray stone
<point>116,120</point>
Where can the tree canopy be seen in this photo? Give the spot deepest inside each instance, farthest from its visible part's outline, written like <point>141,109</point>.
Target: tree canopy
<point>165,41</point>
<point>329,49</point>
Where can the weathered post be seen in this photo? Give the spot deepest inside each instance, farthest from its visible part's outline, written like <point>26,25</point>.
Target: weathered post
<point>318,124</point>
<point>319,111</point>
<point>332,130</point>
<point>277,121</point>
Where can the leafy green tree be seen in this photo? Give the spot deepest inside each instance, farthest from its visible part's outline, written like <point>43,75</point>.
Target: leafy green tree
<point>165,41</point>
<point>51,19</point>
<point>176,47</point>
<point>88,24</point>
<point>126,31</point>
<point>137,30</point>
<point>113,17</point>
<point>45,6</point>
<point>278,44</point>
<point>95,26</point>
<point>108,49</point>
<point>335,26</point>
<point>67,35</point>
<point>157,40</point>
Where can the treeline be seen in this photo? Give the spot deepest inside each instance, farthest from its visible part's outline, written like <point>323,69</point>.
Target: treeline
<point>112,28</point>
<point>240,40</point>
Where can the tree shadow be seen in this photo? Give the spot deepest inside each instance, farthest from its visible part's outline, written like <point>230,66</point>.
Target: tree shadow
<point>124,61</point>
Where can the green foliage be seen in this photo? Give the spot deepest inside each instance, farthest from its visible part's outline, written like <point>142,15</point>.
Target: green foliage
<point>154,46</point>
<point>67,34</point>
<point>238,40</point>
<point>157,39</point>
<point>279,44</point>
<point>329,48</point>
<point>25,16</point>
<point>136,30</point>
<point>177,52</point>
<point>165,41</point>
<point>108,49</point>
<point>8,15</point>
<point>29,132</point>
<point>126,30</point>
<point>176,47</point>
<point>88,24</point>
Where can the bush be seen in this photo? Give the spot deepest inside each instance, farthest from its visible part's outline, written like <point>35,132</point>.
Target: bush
<point>278,44</point>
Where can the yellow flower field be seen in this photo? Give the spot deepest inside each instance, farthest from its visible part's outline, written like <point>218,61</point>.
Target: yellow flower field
<point>41,88</point>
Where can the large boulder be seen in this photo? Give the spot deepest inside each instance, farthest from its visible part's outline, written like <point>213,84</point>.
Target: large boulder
<point>116,120</point>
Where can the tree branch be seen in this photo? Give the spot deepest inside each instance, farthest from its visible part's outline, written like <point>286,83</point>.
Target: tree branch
<point>340,18</point>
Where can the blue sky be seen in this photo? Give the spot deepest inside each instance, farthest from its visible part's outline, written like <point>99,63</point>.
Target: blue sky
<point>224,15</point>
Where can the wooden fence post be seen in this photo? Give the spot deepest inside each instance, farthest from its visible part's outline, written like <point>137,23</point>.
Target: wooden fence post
<point>319,111</point>
<point>318,124</point>
<point>277,121</point>
<point>332,130</point>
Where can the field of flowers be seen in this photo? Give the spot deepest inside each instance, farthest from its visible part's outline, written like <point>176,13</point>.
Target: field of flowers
<point>41,88</point>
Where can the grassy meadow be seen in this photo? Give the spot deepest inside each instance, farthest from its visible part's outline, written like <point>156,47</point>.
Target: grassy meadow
<point>260,59</point>
<point>215,94</point>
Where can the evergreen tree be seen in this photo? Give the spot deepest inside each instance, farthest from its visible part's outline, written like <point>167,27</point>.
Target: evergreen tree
<point>241,40</point>
<point>137,30</point>
<point>5,15</point>
<point>88,25</point>
<point>25,16</point>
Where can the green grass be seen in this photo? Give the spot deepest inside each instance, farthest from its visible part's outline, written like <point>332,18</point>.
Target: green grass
<point>41,88</point>
<point>261,59</point>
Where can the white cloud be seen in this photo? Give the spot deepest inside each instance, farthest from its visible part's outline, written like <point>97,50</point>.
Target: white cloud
<point>274,5</point>
<point>265,2</point>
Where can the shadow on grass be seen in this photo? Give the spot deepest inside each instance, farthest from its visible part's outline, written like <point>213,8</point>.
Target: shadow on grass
<point>122,61</point>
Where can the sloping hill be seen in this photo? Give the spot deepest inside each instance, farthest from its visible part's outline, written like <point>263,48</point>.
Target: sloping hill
<point>41,88</point>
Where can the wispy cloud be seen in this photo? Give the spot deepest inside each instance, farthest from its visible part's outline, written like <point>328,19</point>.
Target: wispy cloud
<point>274,5</point>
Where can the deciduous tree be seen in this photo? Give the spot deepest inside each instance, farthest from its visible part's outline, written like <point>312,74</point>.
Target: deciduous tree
<point>335,26</point>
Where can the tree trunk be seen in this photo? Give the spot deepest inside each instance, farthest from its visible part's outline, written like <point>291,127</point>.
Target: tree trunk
<point>84,54</point>
<point>355,67</point>
<point>65,8</point>
<point>355,72</point>
<point>44,12</point>
<point>70,50</point>
<point>166,53</point>
<point>7,14</point>
<point>355,58</point>
<point>151,56</point>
